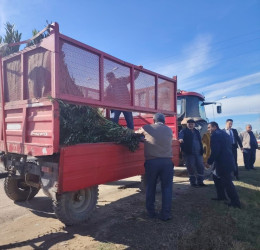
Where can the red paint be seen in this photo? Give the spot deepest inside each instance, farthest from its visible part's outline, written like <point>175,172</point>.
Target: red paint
<point>85,165</point>
<point>31,127</point>
<point>187,93</point>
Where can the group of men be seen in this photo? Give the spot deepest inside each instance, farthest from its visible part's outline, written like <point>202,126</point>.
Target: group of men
<point>158,152</point>
<point>223,157</point>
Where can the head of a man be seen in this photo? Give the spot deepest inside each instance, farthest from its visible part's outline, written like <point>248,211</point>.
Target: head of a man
<point>248,127</point>
<point>212,127</point>
<point>110,76</point>
<point>229,123</point>
<point>159,117</point>
<point>191,124</point>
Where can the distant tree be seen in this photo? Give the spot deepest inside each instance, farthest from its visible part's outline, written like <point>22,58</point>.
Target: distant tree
<point>11,36</point>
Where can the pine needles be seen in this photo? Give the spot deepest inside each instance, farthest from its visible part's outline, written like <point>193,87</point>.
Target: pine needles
<point>85,124</point>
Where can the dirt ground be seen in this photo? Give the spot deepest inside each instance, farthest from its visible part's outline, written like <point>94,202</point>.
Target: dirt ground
<point>119,222</point>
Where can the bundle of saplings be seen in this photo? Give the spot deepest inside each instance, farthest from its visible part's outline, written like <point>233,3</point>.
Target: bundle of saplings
<point>85,124</point>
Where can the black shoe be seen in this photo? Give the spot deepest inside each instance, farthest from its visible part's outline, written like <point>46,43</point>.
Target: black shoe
<point>218,199</point>
<point>202,185</point>
<point>164,218</point>
<point>253,168</point>
<point>194,185</point>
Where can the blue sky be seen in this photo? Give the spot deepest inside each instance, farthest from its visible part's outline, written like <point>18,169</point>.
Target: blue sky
<point>212,46</point>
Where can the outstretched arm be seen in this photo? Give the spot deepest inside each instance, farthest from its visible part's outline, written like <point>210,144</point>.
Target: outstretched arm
<point>238,139</point>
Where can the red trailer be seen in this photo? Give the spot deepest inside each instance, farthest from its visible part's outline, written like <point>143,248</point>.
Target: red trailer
<point>66,69</point>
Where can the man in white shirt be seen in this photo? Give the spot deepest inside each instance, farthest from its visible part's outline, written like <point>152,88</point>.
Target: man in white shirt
<point>235,140</point>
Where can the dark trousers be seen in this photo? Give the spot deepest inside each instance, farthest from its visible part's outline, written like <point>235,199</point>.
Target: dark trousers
<point>224,184</point>
<point>195,167</point>
<point>128,117</point>
<point>249,157</point>
<point>162,168</point>
<point>234,151</point>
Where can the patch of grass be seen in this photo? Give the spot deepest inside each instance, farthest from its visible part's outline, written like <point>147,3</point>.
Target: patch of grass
<point>221,227</point>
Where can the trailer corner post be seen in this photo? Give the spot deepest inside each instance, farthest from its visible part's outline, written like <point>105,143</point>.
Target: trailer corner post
<point>3,104</point>
<point>56,61</point>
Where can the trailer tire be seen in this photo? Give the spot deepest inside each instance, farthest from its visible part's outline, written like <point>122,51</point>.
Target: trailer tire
<point>17,190</point>
<point>76,207</point>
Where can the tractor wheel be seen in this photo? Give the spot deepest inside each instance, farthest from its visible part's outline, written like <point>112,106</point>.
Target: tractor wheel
<point>206,154</point>
<point>17,190</point>
<point>76,207</point>
<point>143,184</point>
<point>206,146</point>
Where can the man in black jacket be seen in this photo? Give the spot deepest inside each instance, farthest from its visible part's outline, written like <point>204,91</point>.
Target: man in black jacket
<point>235,140</point>
<point>191,146</point>
<point>224,164</point>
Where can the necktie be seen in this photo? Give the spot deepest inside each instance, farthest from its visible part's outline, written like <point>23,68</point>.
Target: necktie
<point>231,136</point>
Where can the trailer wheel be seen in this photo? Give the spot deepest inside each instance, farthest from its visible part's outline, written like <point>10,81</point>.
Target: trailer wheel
<point>17,190</point>
<point>76,207</point>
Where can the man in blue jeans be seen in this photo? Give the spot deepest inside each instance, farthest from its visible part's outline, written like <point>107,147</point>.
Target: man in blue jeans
<point>158,163</point>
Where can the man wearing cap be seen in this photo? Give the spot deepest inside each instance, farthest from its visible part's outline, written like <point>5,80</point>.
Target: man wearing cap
<point>191,146</point>
<point>158,163</point>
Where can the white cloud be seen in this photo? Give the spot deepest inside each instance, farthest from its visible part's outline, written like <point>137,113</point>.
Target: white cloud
<point>220,89</point>
<point>194,59</point>
<point>239,105</point>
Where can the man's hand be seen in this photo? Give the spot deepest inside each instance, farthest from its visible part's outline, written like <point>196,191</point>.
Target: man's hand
<point>181,141</point>
<point>208,166</point>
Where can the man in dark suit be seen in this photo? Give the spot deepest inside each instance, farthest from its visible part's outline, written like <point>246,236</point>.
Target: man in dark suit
<point>224,164</point>
<point>235,140</point>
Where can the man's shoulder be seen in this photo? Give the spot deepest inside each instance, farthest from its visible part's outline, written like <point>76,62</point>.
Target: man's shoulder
<point>234,130</point>
<point>184,130</point>
<point>218,133</point>
<point>243,133</point>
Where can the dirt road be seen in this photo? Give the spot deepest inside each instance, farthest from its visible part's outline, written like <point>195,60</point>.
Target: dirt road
<point>119,221</point>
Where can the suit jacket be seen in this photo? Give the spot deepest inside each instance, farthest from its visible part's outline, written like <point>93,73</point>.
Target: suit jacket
<point>236,138</point>
<point>221,153</point>
<point>187,137</point>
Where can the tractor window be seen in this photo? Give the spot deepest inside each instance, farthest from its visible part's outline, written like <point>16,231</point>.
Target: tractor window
<point>180,109</point>
<point>202,110</point>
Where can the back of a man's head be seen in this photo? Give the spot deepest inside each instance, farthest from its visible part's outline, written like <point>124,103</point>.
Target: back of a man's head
<point>110,75</point>
<point>214,124</point>
<point>159,117</point>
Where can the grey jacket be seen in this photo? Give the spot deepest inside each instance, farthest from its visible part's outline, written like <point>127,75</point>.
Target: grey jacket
<point>158,141</point>
<point>245,139</point>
